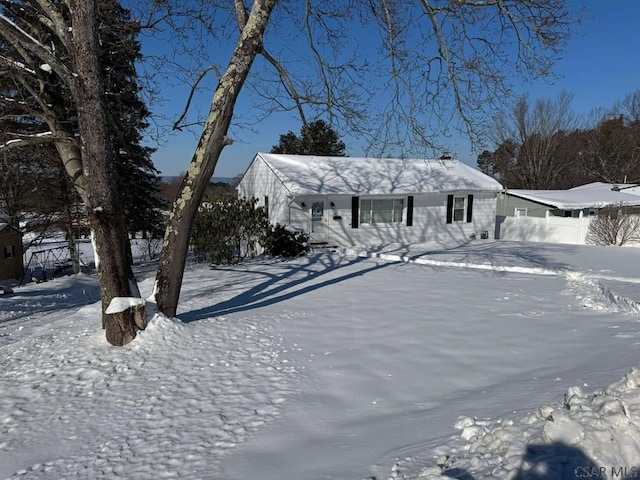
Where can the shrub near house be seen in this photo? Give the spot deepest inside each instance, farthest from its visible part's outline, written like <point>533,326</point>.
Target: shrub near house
<point>227,229</point>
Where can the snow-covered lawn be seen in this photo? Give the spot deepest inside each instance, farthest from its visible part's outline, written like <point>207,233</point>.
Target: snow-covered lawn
<point>488,360</point>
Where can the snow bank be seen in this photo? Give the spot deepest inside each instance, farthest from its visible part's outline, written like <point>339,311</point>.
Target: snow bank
<point>586,435</point>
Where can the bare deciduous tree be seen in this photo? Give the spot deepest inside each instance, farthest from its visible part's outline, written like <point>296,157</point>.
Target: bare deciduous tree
<point>536,132</point>
<point>612,150</point>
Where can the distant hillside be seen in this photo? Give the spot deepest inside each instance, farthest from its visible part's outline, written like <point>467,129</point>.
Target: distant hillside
<point>169,179</point>
<point>230,180</point>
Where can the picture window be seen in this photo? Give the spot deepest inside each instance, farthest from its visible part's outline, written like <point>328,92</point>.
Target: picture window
<point>381,210</point>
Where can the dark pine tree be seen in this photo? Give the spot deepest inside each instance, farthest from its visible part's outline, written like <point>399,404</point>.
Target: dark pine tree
<point>138,179</point>
<point>316,138</point>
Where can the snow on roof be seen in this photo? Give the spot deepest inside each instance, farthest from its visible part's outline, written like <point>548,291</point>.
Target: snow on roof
<point>601,186</point>
<point>592,195</point>
<point>308,174</point>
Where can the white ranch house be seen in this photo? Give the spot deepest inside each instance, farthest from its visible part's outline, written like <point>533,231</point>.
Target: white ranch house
<point>559,216</point>
<point>346,201</point>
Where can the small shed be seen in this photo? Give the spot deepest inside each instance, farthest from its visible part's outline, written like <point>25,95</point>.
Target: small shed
<point>11,263</point>
<point>346,201</point>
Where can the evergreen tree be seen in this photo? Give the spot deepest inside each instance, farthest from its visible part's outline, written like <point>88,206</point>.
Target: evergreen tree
<point>137,176</point>
<point>316,138</point>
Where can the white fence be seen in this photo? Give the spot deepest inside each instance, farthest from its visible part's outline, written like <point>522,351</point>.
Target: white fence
<point>549,229</point>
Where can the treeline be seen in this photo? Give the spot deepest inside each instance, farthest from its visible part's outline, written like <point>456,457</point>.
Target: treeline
<point>545,145</point>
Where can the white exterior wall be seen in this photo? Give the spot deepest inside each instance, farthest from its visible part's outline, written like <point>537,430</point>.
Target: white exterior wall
<point>259,182</point>
<point>429,220</point>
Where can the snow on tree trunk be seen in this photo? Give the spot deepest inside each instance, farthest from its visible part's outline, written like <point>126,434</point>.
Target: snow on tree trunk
<point>212,141</point>
<point>134,305</point>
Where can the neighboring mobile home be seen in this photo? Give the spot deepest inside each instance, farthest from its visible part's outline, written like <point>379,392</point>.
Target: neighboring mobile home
<point>345,201</point>
<point>11,264</point>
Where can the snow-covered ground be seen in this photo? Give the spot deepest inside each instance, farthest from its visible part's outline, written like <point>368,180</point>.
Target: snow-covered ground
<point>489,360</point>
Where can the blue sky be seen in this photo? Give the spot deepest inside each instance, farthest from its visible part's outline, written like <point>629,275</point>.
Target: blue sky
<point>599,67</point>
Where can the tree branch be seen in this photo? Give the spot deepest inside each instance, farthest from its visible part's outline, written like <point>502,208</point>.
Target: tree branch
<point>31,140</point>
<point>176,124</point>
<point>54,21</point>
<point>288,84</point>
<point>241,14</point>
<point>17,37</point>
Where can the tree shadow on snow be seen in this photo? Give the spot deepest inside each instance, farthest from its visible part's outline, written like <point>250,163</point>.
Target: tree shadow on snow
<point>457,473</point>
<point>42,298</point>
<point>292,281</point>
<point>494,253</point>
<point>558,461</point>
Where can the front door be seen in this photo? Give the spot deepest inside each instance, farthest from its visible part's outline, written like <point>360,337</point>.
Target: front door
<point>318,220</point>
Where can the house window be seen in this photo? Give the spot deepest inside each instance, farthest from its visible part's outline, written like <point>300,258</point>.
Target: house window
<point>9,251</point>
<point>458,209</point>
<point>266,206</point>
<point>520,212</point>
<point>381,210</point>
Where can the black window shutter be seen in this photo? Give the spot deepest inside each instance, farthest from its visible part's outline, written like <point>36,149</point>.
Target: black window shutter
<point>469,208</point>
<point>355,207</point>
<point>449,208</point>
<point>410,211</point>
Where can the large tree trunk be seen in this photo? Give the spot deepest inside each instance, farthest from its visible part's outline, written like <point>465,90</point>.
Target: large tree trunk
<point>212,141</point>
<point>105,218</point>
